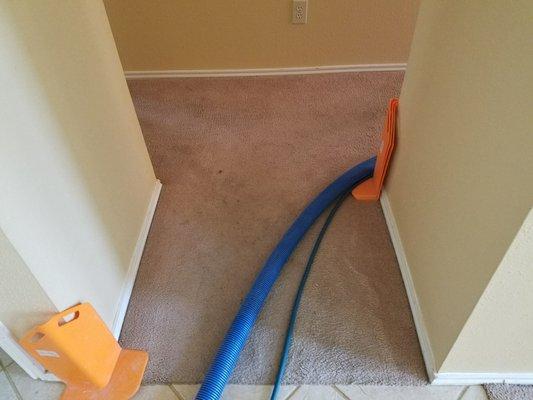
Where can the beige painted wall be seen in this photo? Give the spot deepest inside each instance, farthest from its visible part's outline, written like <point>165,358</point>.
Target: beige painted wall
<point>206,34</point>
<point>497,335</point>
<point>75,174</point>
<point>23,302</point>
<point>461,179</point>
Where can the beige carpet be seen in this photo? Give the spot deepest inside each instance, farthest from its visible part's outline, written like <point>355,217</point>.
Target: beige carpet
<point>239,158</point>
<point>509,392</point>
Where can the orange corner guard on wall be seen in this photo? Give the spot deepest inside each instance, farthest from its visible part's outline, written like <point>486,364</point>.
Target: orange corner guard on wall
<point>370,190</point>
<point>77,347</point>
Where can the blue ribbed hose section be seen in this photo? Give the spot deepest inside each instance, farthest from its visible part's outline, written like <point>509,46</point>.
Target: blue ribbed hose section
<point>235,339</point>
<point>296,305</point>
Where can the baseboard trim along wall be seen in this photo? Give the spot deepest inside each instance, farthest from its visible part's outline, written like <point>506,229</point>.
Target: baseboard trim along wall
<point>127,288</point>
<point>11,346</point>
<point>477,378</point>
<point>196,73</point>
<point>435,377</point>
<point>420,326</point>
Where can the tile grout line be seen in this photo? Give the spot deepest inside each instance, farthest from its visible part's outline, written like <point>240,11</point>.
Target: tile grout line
<point>463,392</point>
<point>13,386</point>
<point>176,392</point>
<point>4,367</point>
<point>180,397</point>
<point>335,388</point>
<point>293,392</point>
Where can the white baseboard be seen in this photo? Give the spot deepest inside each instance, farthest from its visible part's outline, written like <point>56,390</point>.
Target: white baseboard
<point>9,343</point>
<point>435,377</point>
<point>420,326</point>
<point>478,378</point>
<point>127,288</point>
<point>196,73</point>
<point>11,346</point>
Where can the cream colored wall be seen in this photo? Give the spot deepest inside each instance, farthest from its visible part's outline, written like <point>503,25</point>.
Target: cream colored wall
<point>75,174</point>
<point>203,34</point>
<point>497,335</point>
<point>460,185</point>
<point>20,309</point>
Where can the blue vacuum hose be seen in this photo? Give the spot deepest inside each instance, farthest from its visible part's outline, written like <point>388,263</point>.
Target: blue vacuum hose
<point>296,305</point>
<point>220,371</point>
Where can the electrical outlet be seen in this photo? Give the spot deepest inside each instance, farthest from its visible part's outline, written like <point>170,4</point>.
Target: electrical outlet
<point>299,11</point>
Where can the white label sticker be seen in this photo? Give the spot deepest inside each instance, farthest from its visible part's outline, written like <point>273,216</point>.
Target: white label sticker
<point>47,353</point>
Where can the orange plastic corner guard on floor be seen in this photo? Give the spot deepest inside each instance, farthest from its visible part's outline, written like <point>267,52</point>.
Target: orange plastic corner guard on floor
<point>76,346</point>
<point>370,190</point>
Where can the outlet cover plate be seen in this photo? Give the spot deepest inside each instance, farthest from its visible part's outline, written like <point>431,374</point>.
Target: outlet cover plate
<point>299,11</point>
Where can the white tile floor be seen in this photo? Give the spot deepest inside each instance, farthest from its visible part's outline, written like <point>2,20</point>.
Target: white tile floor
<point>16,385</point>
